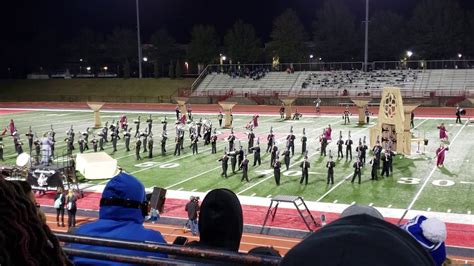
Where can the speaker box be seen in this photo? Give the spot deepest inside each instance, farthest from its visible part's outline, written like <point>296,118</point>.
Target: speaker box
<point>158,198</point>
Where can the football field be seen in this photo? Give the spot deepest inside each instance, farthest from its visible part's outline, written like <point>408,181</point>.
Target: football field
<point>416,182</point>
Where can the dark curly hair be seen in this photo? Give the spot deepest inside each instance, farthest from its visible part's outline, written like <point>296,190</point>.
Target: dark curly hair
<point>24,238</point>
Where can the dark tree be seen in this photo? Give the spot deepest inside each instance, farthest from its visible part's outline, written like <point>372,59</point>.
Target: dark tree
<point>203,45</point>
<point>242,44</point>
<point>468,47</point>
<point>387,36</point>
<point>164,49</point>
<point>335,33</point>
<point>43,52</point>
<point>288,37</point>
<point>437,29</point>
<point>179,69</point>
<point>88,45</point>
<point>171,70</point>
<point>122,48</point>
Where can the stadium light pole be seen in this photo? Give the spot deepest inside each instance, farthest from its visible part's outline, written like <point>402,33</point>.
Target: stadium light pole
<point>366,46</point>
<point>139,42</point>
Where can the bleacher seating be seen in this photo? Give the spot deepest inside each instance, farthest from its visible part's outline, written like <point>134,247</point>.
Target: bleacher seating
<point>334,83</point>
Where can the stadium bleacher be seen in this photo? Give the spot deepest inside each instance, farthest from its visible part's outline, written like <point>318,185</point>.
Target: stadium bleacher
<point>334,83</point>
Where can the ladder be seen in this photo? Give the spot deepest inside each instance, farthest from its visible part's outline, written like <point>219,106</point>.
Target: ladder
<point>300,206</point>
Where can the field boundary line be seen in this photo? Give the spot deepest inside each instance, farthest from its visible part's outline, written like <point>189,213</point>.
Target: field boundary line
<point>428,178</point>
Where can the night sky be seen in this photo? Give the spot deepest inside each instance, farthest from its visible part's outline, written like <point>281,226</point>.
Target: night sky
<point>20,19</point>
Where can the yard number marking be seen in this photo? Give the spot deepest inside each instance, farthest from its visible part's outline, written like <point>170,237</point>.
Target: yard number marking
<point>151,164</point>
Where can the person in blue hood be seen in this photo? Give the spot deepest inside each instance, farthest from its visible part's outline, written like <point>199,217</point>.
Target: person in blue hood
<point>120,217</point>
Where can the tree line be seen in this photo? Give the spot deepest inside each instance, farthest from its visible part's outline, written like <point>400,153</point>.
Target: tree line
<point>436,29</point>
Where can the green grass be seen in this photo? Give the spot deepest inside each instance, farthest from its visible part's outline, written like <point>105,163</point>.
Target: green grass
<point>448,188</point>
<point>116,89</point>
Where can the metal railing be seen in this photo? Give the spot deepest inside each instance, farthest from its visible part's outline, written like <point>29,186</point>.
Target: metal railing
<point>181,251</point>
<point>413,93</point>
<point>422,64</point>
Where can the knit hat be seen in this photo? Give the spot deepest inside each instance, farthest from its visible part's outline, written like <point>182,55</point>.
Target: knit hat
<point>430,234</point>
<point>220,220</point>
<point>361,209</point>
<point>358,240</point>
<point>434,230</point>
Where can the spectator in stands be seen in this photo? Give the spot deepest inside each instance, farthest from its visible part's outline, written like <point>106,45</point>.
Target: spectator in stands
<point>25,239</point>
<point>71,208</point>
<point>192,208</point>
<point>59,202</point>
<point>359,237</point>
<point>220,221</point>
<point>431,234</point>
<point>121,215</point>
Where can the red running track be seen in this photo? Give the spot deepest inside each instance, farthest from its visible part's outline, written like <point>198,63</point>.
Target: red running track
<point>238,109</point>
<point>458,234</point>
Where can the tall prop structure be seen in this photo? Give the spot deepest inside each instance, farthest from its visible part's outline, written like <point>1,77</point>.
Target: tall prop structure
<point>390,127</point>
<point>288,103</point>
<point>181,101</point>
<point>96,106</point>
<point>227,107</point>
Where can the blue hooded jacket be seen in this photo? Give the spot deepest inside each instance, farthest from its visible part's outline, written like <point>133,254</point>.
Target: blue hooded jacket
<point>119,222</point>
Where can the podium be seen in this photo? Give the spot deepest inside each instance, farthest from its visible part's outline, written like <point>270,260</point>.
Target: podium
<point>361,103</point>
<point>288,103</point>
<point>227,107</point>
<point>96,106</point>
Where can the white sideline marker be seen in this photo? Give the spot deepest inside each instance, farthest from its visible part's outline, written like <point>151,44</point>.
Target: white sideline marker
<point>469,212</point>
<point>269,196</point>
<point>389,206</point>
<point>371,204</point>
<point>194,190</point>
<point>430,175</point>
<point>353,203</point>
<point>335,201</point>
<point>429,209</point>
<point>449,210</point>
<point>253,194</point>
<point>179,189</point>
<point>465,182</point>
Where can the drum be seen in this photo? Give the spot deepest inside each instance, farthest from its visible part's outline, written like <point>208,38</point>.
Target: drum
<point>22,159</point>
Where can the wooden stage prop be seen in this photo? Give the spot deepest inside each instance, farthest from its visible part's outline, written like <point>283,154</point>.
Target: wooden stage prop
<point>227,107</point>
<point>393,125</point>
<point>96,106</point>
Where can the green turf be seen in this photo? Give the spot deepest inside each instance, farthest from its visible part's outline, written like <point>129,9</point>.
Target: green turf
<point>447,188</point>
<point>110,90</point>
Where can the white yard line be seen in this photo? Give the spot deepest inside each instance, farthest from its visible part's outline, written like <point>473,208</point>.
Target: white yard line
<point>291,165</point>
<point>427,179</point>
<point>220,167</point>
<point>334,187</point>
<point>419,124</point>
<point>185,156</point>
<point>270,176</point>
<point>171,144</point>
<point>344,179</point>
<point>192,177</point>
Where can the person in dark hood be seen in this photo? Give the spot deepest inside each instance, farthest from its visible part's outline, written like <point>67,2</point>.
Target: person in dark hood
<point>359,239</point>
<point>118,221</point>
<point>220,221</point>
